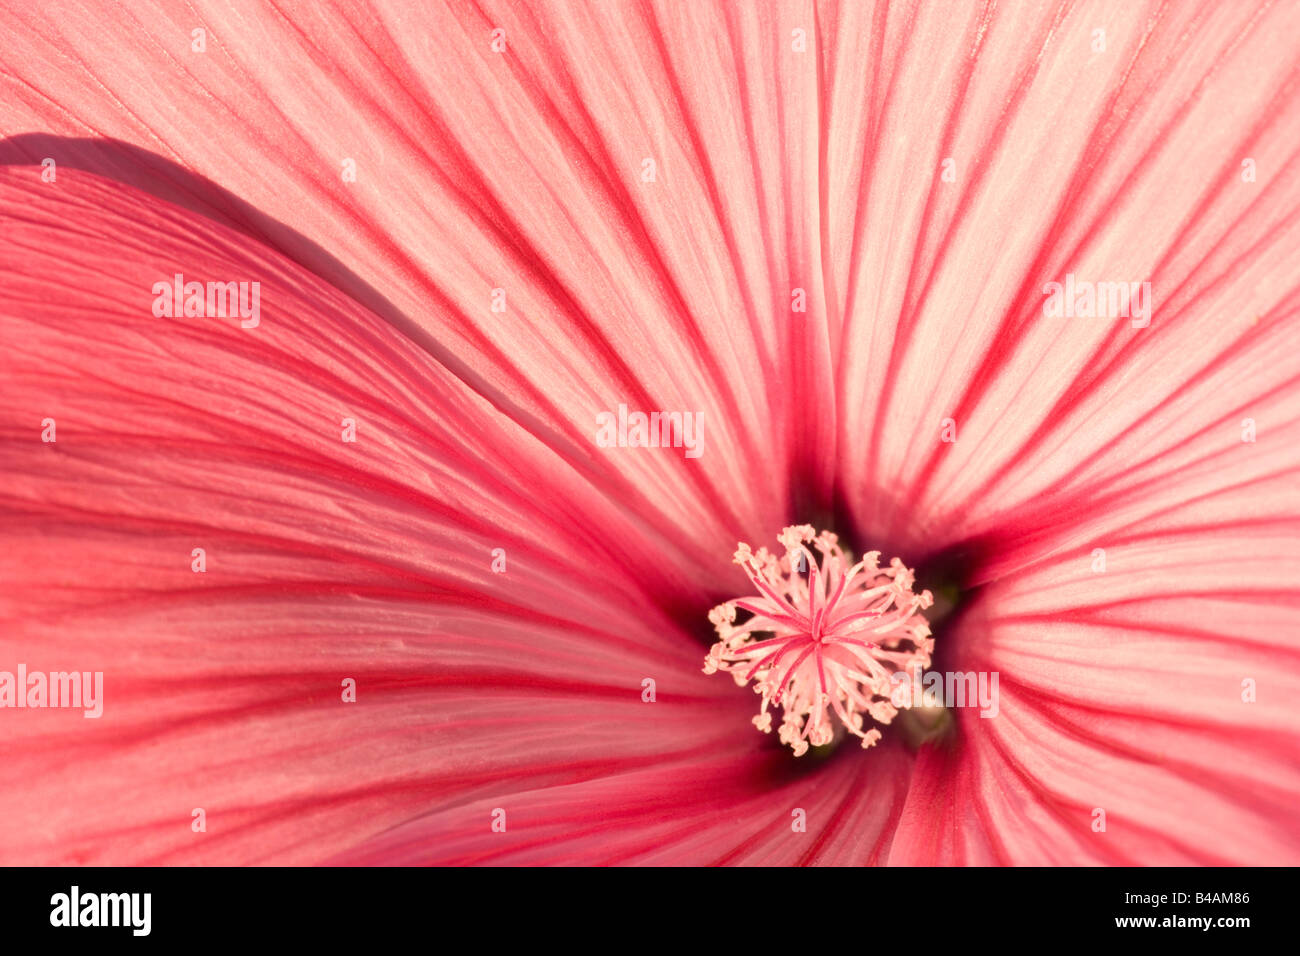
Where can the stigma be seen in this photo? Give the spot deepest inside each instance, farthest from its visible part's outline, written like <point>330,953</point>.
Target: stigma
<point>822,637</point>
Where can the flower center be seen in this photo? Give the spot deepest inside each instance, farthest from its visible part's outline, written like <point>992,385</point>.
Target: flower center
<point>822,635</point>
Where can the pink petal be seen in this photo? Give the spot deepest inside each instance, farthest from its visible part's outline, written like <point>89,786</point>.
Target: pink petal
<point>326,560</point>
<point>476,171</point>
<point>1123,691</point>
<point>716,808</point>
<point>1117,166</point>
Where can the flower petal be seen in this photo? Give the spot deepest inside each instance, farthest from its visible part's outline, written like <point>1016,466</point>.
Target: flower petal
<point>1124,165</point>
<point>476,171</point>
<point>1158,691</point>
<point>325,560</point>
<point>725,807</point>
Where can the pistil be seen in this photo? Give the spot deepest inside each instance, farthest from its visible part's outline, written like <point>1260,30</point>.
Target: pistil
<point>822,636</point>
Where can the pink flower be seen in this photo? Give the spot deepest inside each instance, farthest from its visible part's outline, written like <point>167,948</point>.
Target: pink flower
<point>364,586</point>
